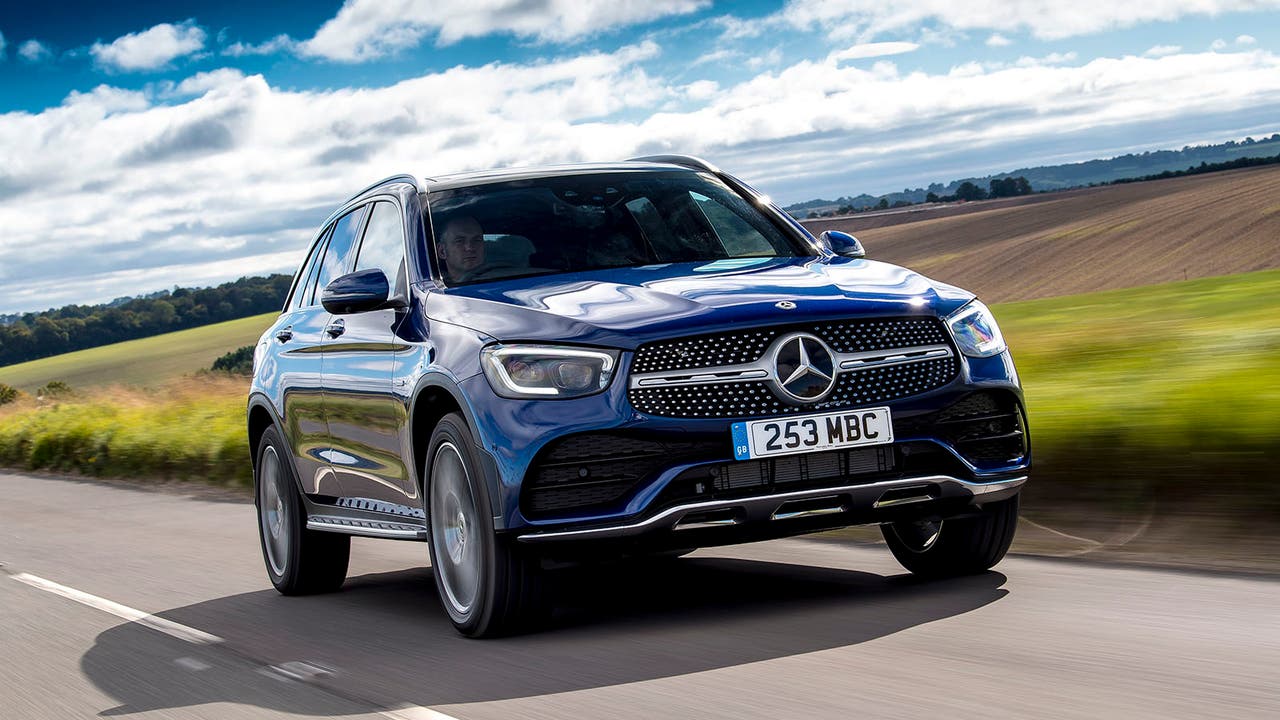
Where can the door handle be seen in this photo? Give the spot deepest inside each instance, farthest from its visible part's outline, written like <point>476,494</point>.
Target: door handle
<point>285,334</point>
<point>336,328</point>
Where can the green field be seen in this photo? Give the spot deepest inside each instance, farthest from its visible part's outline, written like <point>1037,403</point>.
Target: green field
<point>1162,395</point>
<point>148,361</point>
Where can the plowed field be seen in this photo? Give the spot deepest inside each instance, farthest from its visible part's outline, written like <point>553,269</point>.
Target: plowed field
<point>1085,240</point>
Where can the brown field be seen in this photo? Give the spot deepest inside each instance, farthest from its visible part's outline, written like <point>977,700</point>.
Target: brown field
<point>1085,240</point>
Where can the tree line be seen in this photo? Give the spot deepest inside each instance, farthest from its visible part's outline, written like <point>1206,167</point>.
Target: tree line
<point>34,335</point>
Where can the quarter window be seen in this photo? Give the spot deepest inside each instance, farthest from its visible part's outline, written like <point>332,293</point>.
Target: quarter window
<point>306,275</point>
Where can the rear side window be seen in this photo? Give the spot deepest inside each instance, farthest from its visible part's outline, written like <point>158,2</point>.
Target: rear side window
<point>383,244</point>
<point>337,257</point>
<point>301,295</point>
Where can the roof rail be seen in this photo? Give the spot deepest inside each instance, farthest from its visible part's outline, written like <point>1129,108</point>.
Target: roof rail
<point>688,161</point>
<point>403,178</point>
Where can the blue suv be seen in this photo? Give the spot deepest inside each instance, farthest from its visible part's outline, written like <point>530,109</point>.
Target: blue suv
<point>530,367</point>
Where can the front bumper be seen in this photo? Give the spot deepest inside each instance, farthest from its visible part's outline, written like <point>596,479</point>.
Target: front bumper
<point>732,520</point>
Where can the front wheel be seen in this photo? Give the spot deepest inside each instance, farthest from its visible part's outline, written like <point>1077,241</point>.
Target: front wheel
<point>486,586</point>
<point>299,561</point>
<point>947,548</point>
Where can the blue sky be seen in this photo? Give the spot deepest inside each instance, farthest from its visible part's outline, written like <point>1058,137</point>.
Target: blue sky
<point>191,143</point>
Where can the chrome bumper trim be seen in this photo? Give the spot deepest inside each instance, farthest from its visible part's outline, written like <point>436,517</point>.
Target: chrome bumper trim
<point>671,517</point>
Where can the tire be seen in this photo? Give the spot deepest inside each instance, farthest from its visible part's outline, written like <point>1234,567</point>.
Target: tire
<point>949,548</point>
<point>299,561</point>
<point>486,585</point>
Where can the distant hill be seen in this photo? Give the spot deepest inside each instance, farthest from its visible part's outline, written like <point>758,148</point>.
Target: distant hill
<point>149,361</point>
<point>33,335</point>
<point>1084,240</point>
<point>1060,177</point>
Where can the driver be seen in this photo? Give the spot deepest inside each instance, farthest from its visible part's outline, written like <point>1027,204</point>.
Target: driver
<point>461,247</point>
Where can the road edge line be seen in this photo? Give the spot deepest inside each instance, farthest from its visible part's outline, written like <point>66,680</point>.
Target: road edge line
<point>168,627</point>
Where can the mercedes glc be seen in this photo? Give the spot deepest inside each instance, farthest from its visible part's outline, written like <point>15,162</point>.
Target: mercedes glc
<point>523,368</point>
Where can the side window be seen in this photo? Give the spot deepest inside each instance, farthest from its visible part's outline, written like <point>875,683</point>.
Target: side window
<point>306,274</point>
<point>383,244</point>
<point>337,257</point>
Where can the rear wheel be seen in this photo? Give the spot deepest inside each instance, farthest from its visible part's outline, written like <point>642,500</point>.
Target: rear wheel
<point>487,587</point>
<point>299,561</point>
<point>947,548</point>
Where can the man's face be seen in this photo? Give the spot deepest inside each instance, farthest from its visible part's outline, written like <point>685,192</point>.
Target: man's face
<point>462,245</point>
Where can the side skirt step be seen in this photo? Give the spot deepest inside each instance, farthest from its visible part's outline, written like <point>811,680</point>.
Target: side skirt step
<point>368,528</point>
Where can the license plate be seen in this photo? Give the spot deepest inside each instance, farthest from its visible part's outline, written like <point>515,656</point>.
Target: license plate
<point>788,436</point>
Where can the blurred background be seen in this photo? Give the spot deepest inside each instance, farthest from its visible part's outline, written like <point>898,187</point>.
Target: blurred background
<point>1107,179</point>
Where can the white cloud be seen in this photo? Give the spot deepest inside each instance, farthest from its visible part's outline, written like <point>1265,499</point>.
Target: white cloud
<point>34,51</point>
<point>1045,19</point>
<point>279,43</point>
<point>201,83</point>
<point>367,29</point>
<point>1054,58</point>
<point>150,49</point>
<point>998,40</point>
<point>773,58</point>
<point>1246,40</point>
<point>876,49</point>
<point>223,174</point>
<point>701,89</point>
<point>1162,50</point>
<point>1218,44</point>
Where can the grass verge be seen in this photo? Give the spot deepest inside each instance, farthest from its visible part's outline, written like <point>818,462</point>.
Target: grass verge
<point>193,429</point>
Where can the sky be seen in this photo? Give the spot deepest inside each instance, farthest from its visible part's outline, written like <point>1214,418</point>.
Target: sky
<point>147,145</point>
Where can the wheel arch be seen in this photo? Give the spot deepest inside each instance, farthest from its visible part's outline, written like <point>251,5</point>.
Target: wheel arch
<point>435,397</point>
<point>260,417</point>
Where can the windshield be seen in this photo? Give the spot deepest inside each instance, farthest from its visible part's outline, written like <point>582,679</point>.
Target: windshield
<point>543,226</point>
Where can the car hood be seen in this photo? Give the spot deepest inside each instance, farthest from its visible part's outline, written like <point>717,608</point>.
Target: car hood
<point>624,307</point>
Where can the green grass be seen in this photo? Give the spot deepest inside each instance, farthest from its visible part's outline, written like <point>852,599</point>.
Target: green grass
<point>146,362</point>
<point>193,428</point>
<point>1168,392</point>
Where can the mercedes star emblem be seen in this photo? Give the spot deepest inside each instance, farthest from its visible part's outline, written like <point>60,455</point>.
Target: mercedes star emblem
<point>785,305</point>
<point>805,368</point>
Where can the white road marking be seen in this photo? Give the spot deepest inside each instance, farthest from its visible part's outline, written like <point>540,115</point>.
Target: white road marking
<point>303,671</point>
<point>286,672</point>
<point>168,627</point>
<point>192,664</point>
<point>415,712</point>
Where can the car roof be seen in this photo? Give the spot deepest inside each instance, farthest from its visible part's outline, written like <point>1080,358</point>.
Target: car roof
<point>483,177</point>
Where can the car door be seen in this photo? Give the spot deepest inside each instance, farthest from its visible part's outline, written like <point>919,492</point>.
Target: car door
<point>365,417</point>
<point>298,337</point>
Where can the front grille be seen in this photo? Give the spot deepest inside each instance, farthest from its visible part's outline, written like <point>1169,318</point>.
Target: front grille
<point>758,397</point>
<point>598,471</point>
<point>744,346</point>
<point>754,398</point>
<point>986,428</point>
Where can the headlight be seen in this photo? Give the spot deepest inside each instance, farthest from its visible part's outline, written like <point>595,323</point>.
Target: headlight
<point>976,331</point>
<point>547,371</point>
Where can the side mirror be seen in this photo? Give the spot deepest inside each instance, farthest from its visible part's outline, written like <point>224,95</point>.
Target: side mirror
<point>356,292</point>
<point>843,244</point>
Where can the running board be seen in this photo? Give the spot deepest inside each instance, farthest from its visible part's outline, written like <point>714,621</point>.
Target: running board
<point>368,528</point>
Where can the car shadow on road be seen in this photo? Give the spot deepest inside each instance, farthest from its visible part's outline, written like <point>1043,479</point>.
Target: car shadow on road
<point>386,639</point>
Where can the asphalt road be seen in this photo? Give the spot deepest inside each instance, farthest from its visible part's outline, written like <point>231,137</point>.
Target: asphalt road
<point>786,629</point>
